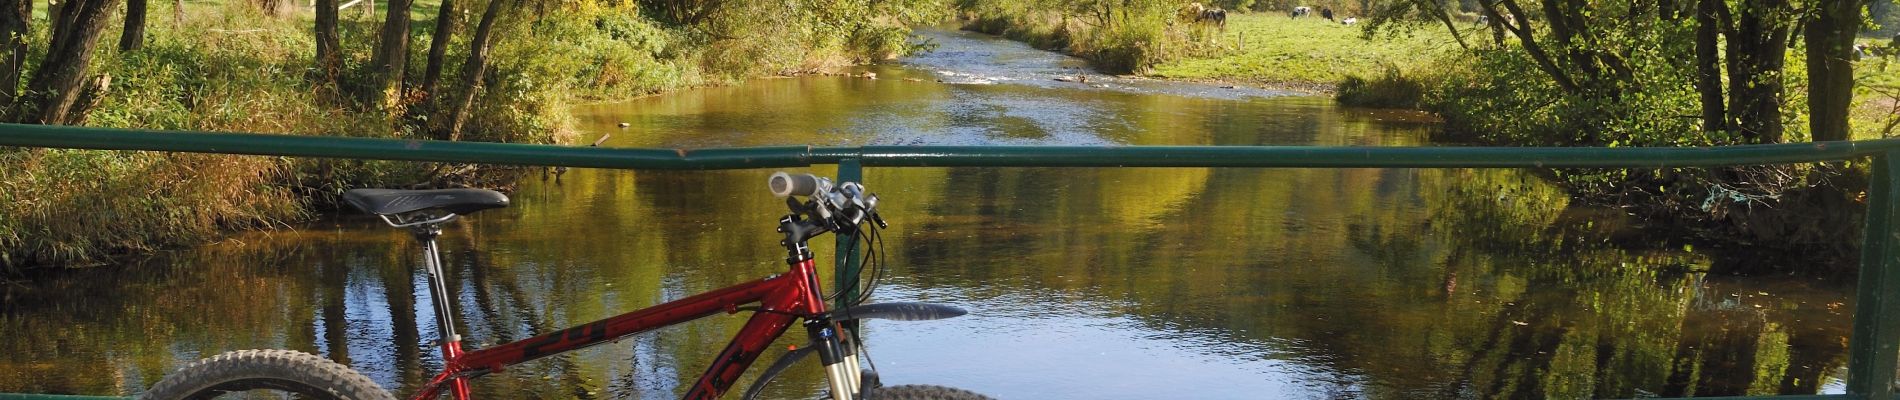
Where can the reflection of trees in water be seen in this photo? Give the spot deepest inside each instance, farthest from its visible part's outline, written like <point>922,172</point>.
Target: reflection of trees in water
<point>1431,283</point>
<point>117,329</point>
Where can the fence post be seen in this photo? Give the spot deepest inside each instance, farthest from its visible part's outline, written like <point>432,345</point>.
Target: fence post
<point>1872,352</point>
<point>849,170</point>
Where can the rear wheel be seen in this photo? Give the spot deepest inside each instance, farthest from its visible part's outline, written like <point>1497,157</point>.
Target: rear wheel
<point>239,372</point>
<point>922,392</point>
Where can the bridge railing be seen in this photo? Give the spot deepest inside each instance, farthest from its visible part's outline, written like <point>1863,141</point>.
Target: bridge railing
<point>1873,349</point>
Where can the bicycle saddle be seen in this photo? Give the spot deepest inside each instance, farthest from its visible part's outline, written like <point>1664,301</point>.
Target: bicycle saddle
<point>393,201</point>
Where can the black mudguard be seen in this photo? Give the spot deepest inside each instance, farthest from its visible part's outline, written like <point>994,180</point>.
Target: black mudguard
<point>784,361</point>
<point>898,312</point>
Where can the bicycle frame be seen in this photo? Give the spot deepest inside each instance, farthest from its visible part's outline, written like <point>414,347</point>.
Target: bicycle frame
<point>783,298</point>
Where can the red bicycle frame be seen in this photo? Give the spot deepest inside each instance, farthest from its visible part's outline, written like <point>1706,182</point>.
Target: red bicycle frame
<point>783,298</point>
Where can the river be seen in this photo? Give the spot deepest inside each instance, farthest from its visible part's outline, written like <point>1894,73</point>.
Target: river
<point>1082,283</point>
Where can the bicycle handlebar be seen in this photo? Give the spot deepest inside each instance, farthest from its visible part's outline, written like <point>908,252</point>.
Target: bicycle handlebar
<point>784,184</point>
<point>842,205</point>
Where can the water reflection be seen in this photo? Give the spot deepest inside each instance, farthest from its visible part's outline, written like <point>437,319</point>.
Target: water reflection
<point>1086,283</point>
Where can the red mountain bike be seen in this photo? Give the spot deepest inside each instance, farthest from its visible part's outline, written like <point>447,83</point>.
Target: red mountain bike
<point>782,300</point>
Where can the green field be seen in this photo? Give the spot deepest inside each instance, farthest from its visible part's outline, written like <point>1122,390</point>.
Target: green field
<point>1269,48</point>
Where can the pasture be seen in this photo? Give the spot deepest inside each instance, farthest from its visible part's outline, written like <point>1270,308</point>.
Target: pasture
<point>1312,53</point>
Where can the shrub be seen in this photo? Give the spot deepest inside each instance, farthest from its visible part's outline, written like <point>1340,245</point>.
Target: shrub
<point>1390,90</point>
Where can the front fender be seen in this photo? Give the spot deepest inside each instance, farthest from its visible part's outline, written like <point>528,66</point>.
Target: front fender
<point>897,312</point>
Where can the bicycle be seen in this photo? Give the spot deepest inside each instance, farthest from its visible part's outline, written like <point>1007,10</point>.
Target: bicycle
<point>781,299</point>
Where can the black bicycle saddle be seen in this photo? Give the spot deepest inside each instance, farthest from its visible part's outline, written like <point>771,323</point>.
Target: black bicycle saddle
<point>395,201</point>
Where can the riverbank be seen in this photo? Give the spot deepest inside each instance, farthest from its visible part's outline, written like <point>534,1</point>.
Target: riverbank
<point>1275,51</point>
<point>1262,49</point>
<point>234,68</point>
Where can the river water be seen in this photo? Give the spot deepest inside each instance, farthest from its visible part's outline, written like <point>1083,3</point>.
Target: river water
<point>1083,283</point>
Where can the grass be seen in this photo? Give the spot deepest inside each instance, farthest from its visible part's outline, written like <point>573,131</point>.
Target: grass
<point>1271,49</point>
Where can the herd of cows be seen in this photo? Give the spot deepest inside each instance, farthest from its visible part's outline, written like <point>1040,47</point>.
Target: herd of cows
<point>1324,12</point>
<point>1202,14</point>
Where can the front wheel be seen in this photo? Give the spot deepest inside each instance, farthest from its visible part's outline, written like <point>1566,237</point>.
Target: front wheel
<point>287,371</point>
<point>922,392</point>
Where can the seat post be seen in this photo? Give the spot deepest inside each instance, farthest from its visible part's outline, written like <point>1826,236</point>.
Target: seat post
<point>438,286</point>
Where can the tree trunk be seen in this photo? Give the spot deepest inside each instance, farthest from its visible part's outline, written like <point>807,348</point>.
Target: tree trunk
<point>134,35</point>
<point>473,69</point>
<point>1708,69</point>
<point>392,54</point>
<point>15,15</point>
<point>56,84</point>
<point>89,98</point>
<point>1830,41</point>
<point>438,46</point>
<point>328,58</point>
<point>1761,40</point>
<point>275,8</point>
<point>56,16</point>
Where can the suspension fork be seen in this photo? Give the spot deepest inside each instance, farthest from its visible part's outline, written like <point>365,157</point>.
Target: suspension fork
<point>838,353</point>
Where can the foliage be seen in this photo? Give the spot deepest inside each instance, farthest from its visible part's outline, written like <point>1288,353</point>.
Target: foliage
<point>752,37</point>
<point>1390,90</point>
<point>1118,36</point>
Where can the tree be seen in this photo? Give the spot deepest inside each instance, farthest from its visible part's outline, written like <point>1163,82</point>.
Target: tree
<point>1754,52</point>
<point>438,46</point>
<point>328,60</point>
<point>1830,39</point>
<point>14,16</point>
<point>392,54</point>
<point>134,34</point>
<point>473,69</point>
<point>56,85</point>
<point>1395,14</point>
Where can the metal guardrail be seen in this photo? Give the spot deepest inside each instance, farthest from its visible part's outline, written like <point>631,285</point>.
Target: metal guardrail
<point>1873,350</point>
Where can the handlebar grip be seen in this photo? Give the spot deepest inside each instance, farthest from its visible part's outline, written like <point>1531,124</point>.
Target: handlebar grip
<point>783,184</point>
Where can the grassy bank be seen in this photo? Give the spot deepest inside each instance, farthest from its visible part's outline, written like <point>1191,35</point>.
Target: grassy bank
<point>230,67</point>
<point>1274,50</point>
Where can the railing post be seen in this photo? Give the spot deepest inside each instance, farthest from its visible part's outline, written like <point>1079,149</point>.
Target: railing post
<point>849,170</point>
<point>1873,352</point>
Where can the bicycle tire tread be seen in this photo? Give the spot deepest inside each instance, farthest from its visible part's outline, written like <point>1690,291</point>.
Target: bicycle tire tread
<point>295,371</point>
<point>924,392</point>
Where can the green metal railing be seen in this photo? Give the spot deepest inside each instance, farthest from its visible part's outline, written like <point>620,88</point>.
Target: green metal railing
<point>1874,348</point>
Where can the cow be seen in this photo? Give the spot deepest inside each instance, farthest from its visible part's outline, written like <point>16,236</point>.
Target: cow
<point>1215,16</point>
<point>1326,12</point>
<point>1302,11</point>
<point>1349,21</point>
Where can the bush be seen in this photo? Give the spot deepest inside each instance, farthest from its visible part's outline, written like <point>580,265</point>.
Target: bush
<point>1390,90</point>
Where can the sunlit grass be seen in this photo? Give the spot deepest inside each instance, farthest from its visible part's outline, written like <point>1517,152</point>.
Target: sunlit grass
<point>1272,48</point>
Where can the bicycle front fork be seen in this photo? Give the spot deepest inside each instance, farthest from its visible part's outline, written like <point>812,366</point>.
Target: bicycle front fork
<point>838,351</point>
